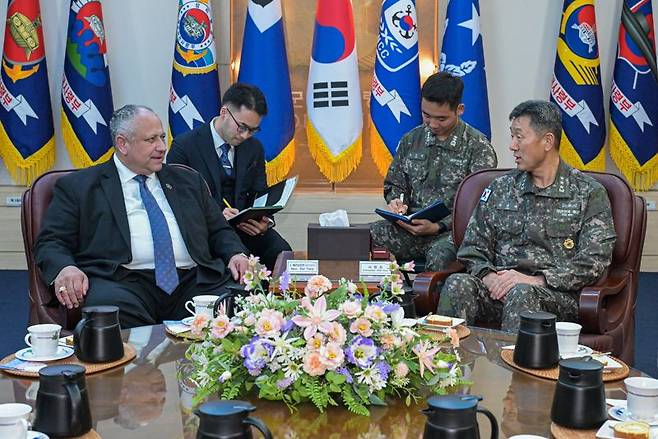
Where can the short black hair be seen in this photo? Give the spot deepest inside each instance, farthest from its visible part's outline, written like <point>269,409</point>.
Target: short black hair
<point>246,95</point>
<point>545,117</point>
<point>443,88</point>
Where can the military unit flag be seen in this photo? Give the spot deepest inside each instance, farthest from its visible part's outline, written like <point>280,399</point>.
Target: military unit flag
<point>462,55</point>
<point>27,145</point>
<point>194,96</point>
<point>634,97</point>
<point>333,93</point>
<point>86,91</point>
<point>395,88</point>
<point>576,87</point>
<point>264,63</point>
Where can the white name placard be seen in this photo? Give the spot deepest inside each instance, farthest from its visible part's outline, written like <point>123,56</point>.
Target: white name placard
<point>302,269</point>
<point>373,271</point>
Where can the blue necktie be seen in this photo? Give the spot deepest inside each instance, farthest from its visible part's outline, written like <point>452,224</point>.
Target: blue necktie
<point>166,276</point>
<point>224,161</point>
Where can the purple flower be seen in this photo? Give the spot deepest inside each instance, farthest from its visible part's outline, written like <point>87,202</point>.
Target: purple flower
<point>284,281</point>
<point>384,369</point>
<point>362,351</point>
<point>388,307</point>
<point>287,326</point>
<point>255,355</point>
<point>346,373</point>
<point>284,383</point>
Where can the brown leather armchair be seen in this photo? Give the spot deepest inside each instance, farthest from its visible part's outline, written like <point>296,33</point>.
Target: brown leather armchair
<point>606,309</point>
<point>44,306</point>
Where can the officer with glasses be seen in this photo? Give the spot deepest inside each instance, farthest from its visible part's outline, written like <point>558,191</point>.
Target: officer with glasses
<point>233,163</point>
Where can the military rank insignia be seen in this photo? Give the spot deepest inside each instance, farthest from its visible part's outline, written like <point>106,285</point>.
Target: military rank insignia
<point>485,195</point>
<point>568,243</point>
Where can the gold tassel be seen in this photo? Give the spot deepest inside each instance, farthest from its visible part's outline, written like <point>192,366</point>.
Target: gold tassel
<point>77,153</point>
<point>335,169</point>
<point>277,169</point>
<point>571,156</point>
<point>640,177</point>
<point>25,171</point>
<point>380,153</point>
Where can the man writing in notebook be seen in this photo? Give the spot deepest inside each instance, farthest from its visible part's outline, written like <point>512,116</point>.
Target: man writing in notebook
<point>430,162</point>
<point>233,163</point>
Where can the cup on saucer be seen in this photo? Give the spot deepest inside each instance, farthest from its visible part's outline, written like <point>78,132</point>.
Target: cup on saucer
<point>43,339</point>
<point>567,337</point>
<point>642,398</point>
<point>14,420</point>
<point>204,304</point>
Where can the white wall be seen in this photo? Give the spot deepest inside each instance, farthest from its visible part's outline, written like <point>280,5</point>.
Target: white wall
<point>519,41</point>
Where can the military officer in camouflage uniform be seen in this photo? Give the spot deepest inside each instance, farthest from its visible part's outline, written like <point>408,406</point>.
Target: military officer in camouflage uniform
<point>538,235</point>
<point>430,162</point>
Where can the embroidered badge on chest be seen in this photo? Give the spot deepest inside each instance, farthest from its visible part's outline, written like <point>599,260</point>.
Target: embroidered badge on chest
<point>485,195</point>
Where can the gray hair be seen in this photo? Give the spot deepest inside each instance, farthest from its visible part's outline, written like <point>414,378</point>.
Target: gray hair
<point>121,122</point>
<point>545,117</point>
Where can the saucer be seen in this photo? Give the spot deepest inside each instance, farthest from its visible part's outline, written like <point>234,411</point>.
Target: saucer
<point>62,352</point>
<point>187,321</point>
<point>580,352</point>
<point>621,414</point>
<point>31,434</point>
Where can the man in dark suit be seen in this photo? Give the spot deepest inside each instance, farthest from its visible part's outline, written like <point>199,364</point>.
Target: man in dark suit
<point>233,164</point>
<point>135,233</point>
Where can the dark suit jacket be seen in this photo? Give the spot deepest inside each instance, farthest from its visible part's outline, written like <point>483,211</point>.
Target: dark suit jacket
<point>196,149</point>
<point>86,224</point>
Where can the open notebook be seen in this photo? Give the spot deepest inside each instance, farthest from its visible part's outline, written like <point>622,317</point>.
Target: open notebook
<point>272,200</point>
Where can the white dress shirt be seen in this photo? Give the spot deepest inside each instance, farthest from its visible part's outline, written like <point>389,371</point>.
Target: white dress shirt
<point>141,240</point>
<point>218,142</point>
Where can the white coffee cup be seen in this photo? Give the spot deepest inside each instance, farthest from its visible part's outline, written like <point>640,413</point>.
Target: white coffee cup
<point>202,305</point>
<point>43,339</point>
<point>13,420</point>
<point>642,398</point>
<point>567,337</point>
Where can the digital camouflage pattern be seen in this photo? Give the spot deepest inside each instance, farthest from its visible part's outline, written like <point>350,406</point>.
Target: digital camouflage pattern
<point>425,170</point>
<point>564,232</point>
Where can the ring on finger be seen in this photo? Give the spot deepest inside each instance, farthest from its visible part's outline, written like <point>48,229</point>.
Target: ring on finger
<point>61,289</point>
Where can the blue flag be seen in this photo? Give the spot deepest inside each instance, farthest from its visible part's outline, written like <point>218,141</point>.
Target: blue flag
<point>27,145</point>
<point>395,88</point>
<point>86,91</point>
<point>264,63</point>
<point>462,55</point>
<point>634,97</point>
<point>194,96</point>
<point>576,87</point>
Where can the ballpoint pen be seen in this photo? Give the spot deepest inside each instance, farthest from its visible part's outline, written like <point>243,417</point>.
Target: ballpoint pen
<point>226,203</point>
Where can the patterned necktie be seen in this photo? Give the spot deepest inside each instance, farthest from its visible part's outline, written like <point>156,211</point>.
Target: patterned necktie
<point>166,276</point>
<point>224,161</point>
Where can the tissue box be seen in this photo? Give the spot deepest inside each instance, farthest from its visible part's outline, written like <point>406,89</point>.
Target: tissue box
<point>339,243</point>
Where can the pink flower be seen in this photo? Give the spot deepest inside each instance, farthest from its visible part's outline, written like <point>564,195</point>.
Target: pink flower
<point>454,337</point>
<point>351,308</point>
<point>425,353</point>
<point>401,370</point>
<point>269,323</point>
<point>319,318</point>
<point>315,343</point>
<point>337,333</point>
<point>331,355</point>
<point>199,323</point>
<point>313,364</point>
<point>316,286</point>
<point>388,340</point>
<point>361,326</point>
<point>409,266</point>
<point>221,326</point>
<point>375,313</point>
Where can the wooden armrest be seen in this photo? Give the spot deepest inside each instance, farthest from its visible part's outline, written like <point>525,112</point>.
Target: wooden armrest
<point>591,313</point>
<point>425,287</point>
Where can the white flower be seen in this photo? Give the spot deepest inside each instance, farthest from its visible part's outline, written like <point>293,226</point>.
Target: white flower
<point>224,377</point>
<point>398,321</point>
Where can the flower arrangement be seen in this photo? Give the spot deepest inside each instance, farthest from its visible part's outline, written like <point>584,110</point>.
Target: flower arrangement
<point>330,345</point>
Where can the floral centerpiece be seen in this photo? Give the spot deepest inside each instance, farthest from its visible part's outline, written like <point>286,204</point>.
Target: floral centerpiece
<point>329,345</point>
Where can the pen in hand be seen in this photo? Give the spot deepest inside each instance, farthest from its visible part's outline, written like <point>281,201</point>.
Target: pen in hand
<point>226,203</point>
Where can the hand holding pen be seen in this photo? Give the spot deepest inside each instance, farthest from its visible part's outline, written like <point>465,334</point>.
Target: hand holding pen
<point>397,205</point>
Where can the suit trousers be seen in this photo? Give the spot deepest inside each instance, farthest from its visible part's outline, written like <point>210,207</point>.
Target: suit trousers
<point>266,247</point>
<point>141,302</point>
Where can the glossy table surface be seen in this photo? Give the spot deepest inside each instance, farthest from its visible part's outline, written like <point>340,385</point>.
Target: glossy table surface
<point>146,399</point>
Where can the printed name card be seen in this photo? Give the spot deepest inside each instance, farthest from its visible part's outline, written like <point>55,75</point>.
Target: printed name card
<point>302,269</point>
<point>373,271</point>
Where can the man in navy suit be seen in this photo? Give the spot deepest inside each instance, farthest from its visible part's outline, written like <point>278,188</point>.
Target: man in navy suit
<point>233,164</point>
<point>136,233</point>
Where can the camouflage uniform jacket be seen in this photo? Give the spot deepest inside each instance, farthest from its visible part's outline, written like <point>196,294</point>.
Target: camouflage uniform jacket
<point>564,231</point>
<point>426,169</point>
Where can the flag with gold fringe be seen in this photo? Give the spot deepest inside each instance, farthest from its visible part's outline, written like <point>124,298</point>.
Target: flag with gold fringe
<point>634,97</point>
<point>333,93</point>
<point>264,63</point>
<point>576,87</point>
<point>194,96</point>
<point>86,91</point>
<point>462,54</point>
<point>395,88</point>
<point>27,145</point>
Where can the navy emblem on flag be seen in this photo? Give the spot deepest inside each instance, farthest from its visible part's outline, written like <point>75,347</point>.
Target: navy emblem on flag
<point>398,36</point>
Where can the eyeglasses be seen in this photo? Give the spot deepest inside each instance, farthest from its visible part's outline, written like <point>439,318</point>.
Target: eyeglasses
<point>243,127</point>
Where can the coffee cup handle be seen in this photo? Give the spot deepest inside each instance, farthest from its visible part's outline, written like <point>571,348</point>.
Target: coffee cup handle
<point>27,340</point>
<point>189,304</point>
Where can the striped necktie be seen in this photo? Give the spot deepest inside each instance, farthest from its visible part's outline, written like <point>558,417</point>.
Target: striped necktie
<point>224,160</point>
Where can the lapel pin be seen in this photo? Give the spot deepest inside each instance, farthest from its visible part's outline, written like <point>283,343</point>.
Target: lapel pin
<point>168,186</point>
